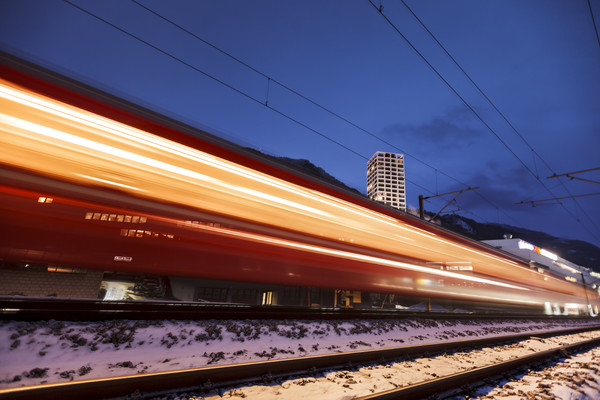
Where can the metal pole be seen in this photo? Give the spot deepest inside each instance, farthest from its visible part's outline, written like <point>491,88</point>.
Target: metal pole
<point>586,294</point>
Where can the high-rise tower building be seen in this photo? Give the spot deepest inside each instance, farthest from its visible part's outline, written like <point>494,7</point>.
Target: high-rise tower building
<point>385,179</point>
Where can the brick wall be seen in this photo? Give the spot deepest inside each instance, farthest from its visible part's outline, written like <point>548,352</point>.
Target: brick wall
<point>84,284</point>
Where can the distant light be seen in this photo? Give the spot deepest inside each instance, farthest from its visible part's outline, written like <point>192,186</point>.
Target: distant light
<point>566,267</point>
<point>123,258</point>
<point>93,178</point>
<point>571,309</point>
<point>525,246</point>
<point>528,246</point>
<point>546,253</point>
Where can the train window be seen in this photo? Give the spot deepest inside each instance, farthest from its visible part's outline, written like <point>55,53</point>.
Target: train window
<point>89,215</point>
<point>120,218</point>
<point>135,219</point>
<point>96,216</point>
<point>104,217</point>
<point>128,218</point>
<point>143,220</point>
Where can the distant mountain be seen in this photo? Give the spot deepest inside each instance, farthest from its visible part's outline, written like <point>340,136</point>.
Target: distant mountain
<point>305,166</point>
<point>577,251</point>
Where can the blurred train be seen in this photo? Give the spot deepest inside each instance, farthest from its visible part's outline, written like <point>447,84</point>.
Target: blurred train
<point>91,181</point>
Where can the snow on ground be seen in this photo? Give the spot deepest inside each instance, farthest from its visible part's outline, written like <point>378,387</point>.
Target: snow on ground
<point>363,381</point>
<point>54,351</point>
<point>575,378</point>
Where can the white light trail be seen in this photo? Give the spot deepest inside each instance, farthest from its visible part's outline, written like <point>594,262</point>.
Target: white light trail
<point>353,256</point>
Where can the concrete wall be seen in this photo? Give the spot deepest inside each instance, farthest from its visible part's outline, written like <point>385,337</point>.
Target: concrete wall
<point>84,284</point>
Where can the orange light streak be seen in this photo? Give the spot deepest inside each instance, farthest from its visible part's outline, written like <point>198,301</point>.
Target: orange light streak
<point>60,140</point>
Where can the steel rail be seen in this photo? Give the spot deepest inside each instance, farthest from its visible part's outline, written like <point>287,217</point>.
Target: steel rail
<point>454,381</point>
<point>32,309</point>
<point>222,375</point>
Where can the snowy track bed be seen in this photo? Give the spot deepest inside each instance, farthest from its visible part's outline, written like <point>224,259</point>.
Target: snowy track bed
<point>45,352</point>
<point>575,377</point>
<point>372,380</point>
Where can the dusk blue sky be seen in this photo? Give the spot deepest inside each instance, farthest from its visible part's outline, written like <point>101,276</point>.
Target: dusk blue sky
<point>537,60</point>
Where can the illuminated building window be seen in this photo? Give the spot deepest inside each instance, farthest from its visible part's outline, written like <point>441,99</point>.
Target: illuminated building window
<point>385,175</point>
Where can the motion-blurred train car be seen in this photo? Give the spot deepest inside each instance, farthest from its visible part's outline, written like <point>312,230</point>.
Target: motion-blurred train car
<point>91,181</point>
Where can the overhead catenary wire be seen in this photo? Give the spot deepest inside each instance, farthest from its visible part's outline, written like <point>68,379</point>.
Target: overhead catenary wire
<point>463,100</point>
<point>302,96</point>
<point>230,87</point>
<point>265,103</point>
<point>213,78</point>
<point>536,175</point>
<point>293,91</point>
<point>594,22</point>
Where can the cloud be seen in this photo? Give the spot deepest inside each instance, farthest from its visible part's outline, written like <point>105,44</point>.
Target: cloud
<point>450,131</point>
<point>503,187</point>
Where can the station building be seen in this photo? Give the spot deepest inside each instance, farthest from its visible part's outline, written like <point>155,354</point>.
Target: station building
<point>545,260</point>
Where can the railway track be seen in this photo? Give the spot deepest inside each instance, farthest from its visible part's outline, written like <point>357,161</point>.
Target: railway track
<point>31,309</point>
<point>448,384</point>
<point>208,378</point>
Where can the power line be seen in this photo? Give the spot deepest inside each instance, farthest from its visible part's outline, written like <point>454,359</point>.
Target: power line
<point>228,86</point>
<point>536,175</point>
<point>266,103</point>
<point>397,30</point>
<point>450,86</point>
<point>594,22</point>
<point>213,78</point>
<point>504,117</point>
<point>295,92</point>
<point>472,81</point>
<point>453,90</point>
